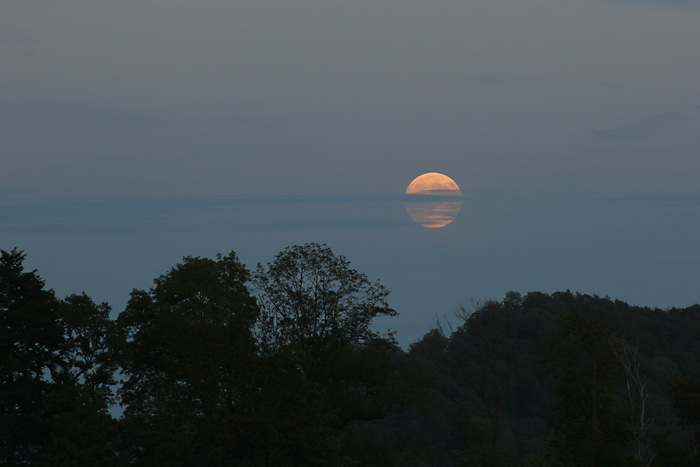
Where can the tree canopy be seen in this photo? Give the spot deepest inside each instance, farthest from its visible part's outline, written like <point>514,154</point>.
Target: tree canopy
<point>55,373</point>
<point>312,299</point>
<point>214,365</point>
<point>188,355</point>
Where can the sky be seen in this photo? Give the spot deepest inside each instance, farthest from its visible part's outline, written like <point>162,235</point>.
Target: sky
<point>136,132</point>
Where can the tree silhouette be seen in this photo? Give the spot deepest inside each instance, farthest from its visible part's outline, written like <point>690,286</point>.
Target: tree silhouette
<point>55,374</point>
<point>189,358</point>
<point>587,379</point>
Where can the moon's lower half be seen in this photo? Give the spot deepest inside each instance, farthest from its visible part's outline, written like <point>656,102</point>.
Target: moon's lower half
<point>431,213</point>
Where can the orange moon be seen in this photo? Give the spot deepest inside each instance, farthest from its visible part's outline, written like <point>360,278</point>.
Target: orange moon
<point>433,200</point>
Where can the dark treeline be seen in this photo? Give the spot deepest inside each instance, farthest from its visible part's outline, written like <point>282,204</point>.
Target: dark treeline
<point>219,365</point>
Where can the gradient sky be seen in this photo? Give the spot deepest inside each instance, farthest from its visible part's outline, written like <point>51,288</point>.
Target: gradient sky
<point>135,132</point>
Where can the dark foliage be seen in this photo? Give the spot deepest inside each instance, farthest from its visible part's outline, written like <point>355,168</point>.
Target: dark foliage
<point>189,358</point>
<point>282,368</point>
<point>55,374</point>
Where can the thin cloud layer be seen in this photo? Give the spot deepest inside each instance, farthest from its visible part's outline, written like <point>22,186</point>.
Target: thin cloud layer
<point>644,127</point>
<point>690,4</point>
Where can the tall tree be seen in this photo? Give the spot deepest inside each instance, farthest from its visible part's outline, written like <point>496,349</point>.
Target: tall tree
<point>30,341</point>
<point>83,431</point>
<point>637,396</point>
<point>478,353</point>
<point>55,374</point>
<point>316,313</point>
<point>189,358</point>
<point>588,379</point>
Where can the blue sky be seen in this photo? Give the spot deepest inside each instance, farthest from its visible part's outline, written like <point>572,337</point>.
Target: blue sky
<point>133,133</point>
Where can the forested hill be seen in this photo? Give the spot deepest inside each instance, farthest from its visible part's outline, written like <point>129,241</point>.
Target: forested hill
<point>218,365</point>
<point>563,379</point>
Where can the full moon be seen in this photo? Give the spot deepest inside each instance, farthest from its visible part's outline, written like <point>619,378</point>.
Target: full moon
<point>433,200</point>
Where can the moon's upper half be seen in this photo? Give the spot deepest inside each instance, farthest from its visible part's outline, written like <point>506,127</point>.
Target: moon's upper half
<point>433,200</point>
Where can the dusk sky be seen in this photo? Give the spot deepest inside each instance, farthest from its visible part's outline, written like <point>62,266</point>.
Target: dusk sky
<point>135,132</point>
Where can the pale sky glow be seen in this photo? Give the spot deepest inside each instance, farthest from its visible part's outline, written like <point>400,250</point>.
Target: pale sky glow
<point>135,132</point>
